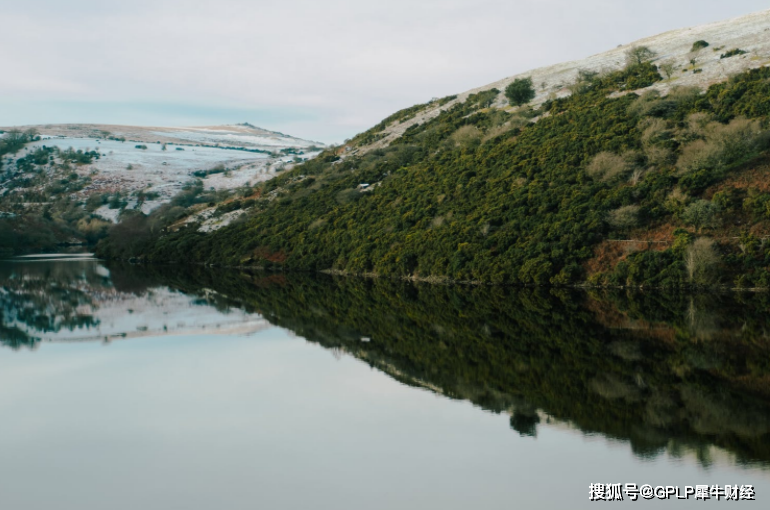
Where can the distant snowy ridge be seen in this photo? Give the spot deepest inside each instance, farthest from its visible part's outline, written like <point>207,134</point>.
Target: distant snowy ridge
<point>244,135</point>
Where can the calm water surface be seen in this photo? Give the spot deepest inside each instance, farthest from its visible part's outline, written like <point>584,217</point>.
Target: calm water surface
<point>178,388</point>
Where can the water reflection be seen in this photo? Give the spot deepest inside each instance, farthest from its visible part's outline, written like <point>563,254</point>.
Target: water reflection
<point>667,373</point>
<point>70,298</point>
<point>41,298</point>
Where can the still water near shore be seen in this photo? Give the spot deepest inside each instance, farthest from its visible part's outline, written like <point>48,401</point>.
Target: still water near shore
<point>133,387</point>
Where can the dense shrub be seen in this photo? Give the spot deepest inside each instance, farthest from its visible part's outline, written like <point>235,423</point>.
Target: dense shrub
<point>733,53</point>
<point>704,161</point>
<point>699,45</point>
<point>520,91</point>
<point>700,214</point>
<point>78,156</point>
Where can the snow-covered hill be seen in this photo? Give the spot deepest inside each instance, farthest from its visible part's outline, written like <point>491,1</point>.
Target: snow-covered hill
<point>701,68</point>
<point>157,162</point>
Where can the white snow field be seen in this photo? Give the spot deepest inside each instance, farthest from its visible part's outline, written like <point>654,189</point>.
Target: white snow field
<point>161,161</point>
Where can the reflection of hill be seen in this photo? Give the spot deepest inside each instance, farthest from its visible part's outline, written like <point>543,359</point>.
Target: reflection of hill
<point>663,372</point>
<point>59,300</point>
<point>38,298</point>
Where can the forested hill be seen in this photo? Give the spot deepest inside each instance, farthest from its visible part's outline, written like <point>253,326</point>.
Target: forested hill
<point>627,180</point>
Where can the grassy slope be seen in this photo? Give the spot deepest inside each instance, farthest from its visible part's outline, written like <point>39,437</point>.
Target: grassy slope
<point>480,194</point>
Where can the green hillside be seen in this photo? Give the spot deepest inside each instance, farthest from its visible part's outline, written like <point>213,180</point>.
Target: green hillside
<point>606,186</point>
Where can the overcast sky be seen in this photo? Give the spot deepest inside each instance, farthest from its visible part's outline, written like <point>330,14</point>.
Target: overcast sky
<point>319,69</point>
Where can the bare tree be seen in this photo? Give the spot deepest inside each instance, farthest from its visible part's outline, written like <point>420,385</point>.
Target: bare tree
<point>700,260</point>
<point>701,320</point>
<point>638,55</point>
<point>668,67</point>
<point>606,166</point>
<point>636,176</point>
<point>467,137</point>
<point>624,217</point>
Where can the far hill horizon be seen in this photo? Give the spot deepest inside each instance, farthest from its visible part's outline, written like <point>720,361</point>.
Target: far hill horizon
<point>243,135</point>
<point>748,34</point>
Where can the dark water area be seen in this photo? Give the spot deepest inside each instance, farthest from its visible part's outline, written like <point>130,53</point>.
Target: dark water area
<point>178,387</point>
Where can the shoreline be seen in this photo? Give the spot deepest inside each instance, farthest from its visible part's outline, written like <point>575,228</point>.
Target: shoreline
<point>444,281</point>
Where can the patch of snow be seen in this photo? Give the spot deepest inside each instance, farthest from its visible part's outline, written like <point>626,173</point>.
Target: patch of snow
<point>108,214</point>
<point>268,142</point>
<point>163,172</point>
<point>213,224</point>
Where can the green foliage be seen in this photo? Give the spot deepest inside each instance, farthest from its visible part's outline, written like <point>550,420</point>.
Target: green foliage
<point>742,95</point>
<point>682,239</point>
<point>649,268</point>
<point>729,200</point>
<point>95,201</point>
<point>79,157</point>
<point>117,202</point>
<point>40,210</point>
<point>699,45</point>
<point>520,91</point>
<point>701,213</point>
<point>757,204</point>
<point>705,161</point>
<point>40,156</point>
<point>13,140</point>
<point>477,194</point>
<point>26,234</point>
<point>202,174</point>
<point>733,53</point>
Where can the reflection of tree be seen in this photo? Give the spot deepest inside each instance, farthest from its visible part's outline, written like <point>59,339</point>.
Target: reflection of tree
<point>133,279</point>
<point>632,367</point>
<point>45,297</point>
<point>15,338</point>
<point>525,424</point>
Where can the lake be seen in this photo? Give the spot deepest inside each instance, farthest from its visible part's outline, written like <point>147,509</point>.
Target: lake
<point>128,387</point>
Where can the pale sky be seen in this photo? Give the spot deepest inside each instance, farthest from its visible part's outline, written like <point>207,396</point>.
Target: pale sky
<point>323,70</point>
